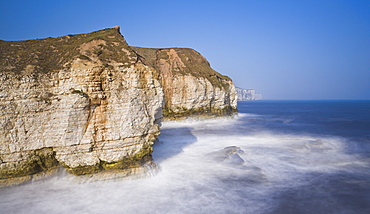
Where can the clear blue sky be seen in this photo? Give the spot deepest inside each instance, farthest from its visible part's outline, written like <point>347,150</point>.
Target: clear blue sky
<point>284,49</point>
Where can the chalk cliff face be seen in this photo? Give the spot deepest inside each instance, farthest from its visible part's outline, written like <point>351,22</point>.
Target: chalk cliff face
<point>86,102</point>
<point>247,94</point>
<point>190,85</point>
<point>93,104</point>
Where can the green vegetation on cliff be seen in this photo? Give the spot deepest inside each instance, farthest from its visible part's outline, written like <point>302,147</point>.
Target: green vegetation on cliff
<point>37,161</point>
<point>206,112</point>
<point>137,160</point>
<point>52,54</point>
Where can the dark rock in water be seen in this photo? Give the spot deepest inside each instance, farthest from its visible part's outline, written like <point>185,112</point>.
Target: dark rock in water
<point>237,169</point>
<point>229,155</point>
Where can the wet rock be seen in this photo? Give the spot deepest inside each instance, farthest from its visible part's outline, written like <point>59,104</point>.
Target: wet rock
<point>235,169</point>
<point>229,155</point>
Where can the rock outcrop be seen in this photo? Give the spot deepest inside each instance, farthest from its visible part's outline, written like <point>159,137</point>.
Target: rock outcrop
<point>191,87</point>
<point>93,104</point>
<point>85,102</point>
<point>228,155</point>
<point>247,94</point>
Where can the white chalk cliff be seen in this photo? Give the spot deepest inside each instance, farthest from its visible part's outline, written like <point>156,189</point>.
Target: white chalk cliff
<point>90,103</point>
<point>190,85</point>
<point>247,94</point>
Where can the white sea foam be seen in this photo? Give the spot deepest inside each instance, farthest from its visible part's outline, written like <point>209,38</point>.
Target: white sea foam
<point>190,181</point>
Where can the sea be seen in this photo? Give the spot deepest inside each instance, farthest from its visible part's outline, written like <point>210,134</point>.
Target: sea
<point>272,157</point>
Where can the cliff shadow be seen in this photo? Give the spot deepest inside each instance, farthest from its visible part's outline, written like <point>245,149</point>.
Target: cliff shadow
<point>171,142</point>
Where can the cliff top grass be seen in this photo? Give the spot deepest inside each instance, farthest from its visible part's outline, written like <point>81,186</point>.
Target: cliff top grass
<point>52,54</point>
<point>149,55</point>
<point>193,63</point>
<point>41,56</point>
